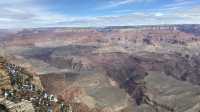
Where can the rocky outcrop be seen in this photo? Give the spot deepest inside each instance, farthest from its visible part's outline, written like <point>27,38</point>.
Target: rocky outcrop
<point>17,107</point>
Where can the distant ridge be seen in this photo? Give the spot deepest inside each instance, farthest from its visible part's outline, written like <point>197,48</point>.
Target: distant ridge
<point>97,27</point>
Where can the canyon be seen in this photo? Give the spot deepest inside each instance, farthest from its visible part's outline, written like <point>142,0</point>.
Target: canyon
<point>112,69</point>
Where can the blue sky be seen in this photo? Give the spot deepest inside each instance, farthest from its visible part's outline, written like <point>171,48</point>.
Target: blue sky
<point>85,13</point>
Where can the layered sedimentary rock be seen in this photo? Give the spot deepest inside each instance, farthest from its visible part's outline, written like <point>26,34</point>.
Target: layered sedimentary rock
<point>114,69</point>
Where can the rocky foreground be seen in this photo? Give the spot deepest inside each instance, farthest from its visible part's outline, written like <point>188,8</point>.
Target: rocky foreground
<point>112,69</point>
<point>21,91</point>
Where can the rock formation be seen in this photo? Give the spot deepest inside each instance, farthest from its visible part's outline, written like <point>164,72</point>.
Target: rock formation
<point>111,69</point>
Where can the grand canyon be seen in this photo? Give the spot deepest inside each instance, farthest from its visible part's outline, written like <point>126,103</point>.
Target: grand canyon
<point>153,68</point>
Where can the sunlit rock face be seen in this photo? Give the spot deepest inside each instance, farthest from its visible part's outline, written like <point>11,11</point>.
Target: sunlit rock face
<point>114,69</point>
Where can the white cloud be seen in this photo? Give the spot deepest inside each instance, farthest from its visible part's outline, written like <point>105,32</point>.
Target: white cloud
<point>173,16</point>
<point>158,14</point>
<point>25,13</point>
<point>116,3</point>
<point>180,4</point>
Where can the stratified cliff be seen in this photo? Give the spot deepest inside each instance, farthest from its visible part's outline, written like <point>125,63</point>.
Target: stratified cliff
<point>112,69</point>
